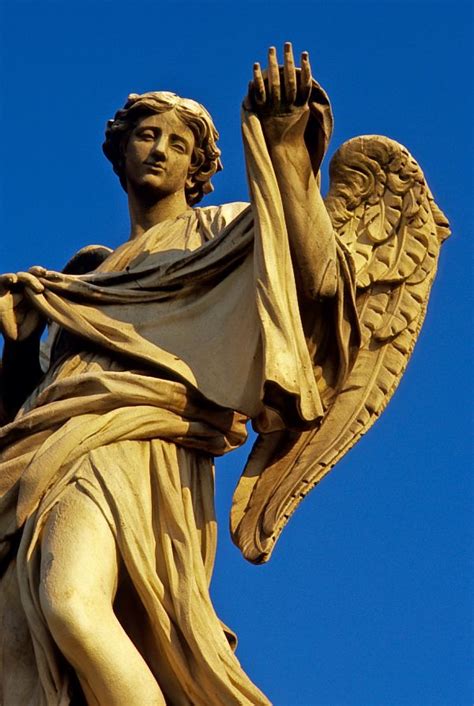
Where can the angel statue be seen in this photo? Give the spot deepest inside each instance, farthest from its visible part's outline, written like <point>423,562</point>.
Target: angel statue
<point>295,313</point>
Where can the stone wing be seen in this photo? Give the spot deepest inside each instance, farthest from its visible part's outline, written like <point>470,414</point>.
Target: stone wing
<point>385,217</point>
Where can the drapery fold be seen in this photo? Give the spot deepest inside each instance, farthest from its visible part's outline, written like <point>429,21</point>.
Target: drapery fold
<point>164,354</point>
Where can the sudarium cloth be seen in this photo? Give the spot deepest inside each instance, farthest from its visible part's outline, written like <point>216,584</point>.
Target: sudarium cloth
<point>165,351</point>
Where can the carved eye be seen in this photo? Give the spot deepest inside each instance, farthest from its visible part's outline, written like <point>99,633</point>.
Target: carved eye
<point>179,147</point>
<point>146,135</point>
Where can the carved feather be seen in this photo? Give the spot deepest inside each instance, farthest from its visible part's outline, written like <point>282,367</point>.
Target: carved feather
<point>384,214</point>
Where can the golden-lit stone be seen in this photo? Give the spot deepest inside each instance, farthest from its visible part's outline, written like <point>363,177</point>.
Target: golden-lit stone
<point>296,312</point>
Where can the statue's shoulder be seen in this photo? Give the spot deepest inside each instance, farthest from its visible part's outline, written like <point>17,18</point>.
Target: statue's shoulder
<point>214,219</point>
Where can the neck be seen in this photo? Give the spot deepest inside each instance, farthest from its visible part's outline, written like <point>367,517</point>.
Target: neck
<point>144,215</point>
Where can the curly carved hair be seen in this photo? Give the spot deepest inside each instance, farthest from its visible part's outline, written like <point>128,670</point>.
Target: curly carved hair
<point>205,161</point>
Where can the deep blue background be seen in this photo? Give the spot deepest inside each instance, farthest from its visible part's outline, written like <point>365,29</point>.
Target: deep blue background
<point>368,598</point>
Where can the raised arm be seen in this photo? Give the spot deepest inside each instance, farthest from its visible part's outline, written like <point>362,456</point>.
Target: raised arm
<point>283,110</point>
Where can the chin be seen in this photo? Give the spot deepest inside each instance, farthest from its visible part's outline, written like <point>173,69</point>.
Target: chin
<point>150,189</point>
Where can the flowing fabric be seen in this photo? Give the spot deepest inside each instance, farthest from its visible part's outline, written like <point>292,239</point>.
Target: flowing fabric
<point>141,447</point>
<point>164,353</point>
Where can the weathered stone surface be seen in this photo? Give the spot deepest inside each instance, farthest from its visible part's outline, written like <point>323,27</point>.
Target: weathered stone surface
<point>297,313</point>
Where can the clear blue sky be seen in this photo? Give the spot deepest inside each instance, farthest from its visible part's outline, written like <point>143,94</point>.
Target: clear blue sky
<point>367,600</point>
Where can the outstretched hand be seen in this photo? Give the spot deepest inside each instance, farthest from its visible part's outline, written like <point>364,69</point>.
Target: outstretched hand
<point>268,95</point>
<point>280,97</point>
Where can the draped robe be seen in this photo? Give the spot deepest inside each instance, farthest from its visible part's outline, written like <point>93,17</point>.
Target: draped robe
<point>166,351</point>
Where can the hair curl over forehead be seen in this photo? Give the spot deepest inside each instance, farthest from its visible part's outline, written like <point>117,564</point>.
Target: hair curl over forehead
<point>205,160</point>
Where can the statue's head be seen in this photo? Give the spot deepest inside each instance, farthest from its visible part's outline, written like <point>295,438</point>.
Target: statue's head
<point>205,160</point>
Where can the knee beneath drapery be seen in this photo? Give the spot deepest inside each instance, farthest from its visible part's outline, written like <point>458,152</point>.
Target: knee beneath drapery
<point>72,617</point>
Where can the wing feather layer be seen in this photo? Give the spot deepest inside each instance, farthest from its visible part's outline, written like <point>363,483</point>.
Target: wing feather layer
<point>386,220</point>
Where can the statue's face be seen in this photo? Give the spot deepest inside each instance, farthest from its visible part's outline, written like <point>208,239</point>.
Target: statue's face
<point>158,155</point>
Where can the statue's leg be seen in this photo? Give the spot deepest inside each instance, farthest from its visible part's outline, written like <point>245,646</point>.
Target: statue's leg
<point>79,576</point>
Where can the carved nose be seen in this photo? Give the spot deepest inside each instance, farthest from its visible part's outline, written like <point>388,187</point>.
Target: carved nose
<point>159,149</point>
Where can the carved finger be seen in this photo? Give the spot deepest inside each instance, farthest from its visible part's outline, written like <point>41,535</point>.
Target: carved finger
<point>306,83</point>
<point>289,74</point>
<point>274,87</point>
<point>38,271</point>
<point>249,99</point>
<point>8,279</point>
<point>259,92</point>
<point>31,281</point>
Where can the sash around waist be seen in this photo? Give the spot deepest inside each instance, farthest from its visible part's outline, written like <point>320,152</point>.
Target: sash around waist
<point>76,415</point>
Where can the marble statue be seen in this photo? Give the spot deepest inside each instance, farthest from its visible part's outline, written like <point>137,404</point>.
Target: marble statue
<point>294,312</point>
